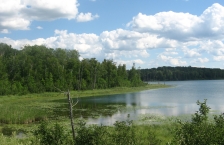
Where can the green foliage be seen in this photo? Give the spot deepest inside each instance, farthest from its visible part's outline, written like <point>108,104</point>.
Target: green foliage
<point>123,132</point>
<point>202,115</point>
<point>55,135</point>
<point>134,77</point>
<point>181,73</point>
<point>36,69</point>
<point>91,135</point>
<point>200,131</point>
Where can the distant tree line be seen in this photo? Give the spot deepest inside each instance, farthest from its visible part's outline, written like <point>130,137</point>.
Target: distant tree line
<point>35,69</point>
<point>167,73</point>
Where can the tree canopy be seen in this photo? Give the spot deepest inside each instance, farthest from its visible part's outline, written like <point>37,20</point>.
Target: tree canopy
<point>167,73</point>
<point>35,69</point>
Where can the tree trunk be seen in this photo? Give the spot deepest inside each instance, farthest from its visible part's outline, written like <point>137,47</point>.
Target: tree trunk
<point>71,114</point>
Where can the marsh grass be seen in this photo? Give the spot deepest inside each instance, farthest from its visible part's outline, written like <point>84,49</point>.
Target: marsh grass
<point>24,111</point>
<point>21,110</point>
<point>117,90</point>
<point>36,107</point>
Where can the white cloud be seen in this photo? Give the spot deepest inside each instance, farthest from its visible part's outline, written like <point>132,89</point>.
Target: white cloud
<point>171,60</point>
<point>177,62</point>
<point>176,37</point>
<point>214,47</point>
<point>86,17</point>
<point>10,16</point>
<point>170,53</point>
<point>191,53</point>
<point>129,63</point>
<point>200,60</point>
<point>49,10</point>
<point>18,14</point>
<point>117,54</point>
<point>203,60</point>
<point>87,44</point>
<point>182,26</point>
<point>4,31</point>
<point>131,40</point>
<point>39,27</point>
<point>218,58</point>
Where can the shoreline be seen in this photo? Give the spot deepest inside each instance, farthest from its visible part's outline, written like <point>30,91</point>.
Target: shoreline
<point>118,90</point>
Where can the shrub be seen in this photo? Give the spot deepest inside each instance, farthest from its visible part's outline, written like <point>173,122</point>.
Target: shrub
<point>90,135</point>
<point>55,135</point>
<point>200,131</point>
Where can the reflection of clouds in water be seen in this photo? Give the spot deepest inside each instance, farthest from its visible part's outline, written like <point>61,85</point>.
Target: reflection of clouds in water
<point>164,111</point>
<point>179,100</point>
<point>219,108</point>
<point>110,120</point>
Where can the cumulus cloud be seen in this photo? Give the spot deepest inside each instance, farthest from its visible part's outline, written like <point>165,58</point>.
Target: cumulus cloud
<point>117,54</point>
<point>131,40</point>
<point>86,17</point>
<point>200,60</point>
<point>49,10</point>
<point>176,38</point>
<point>11,17</point>
<point>130,63</point>
<point>87,44</point>
<point>218,58</point>
<point>39,27</point>
<point>171,60</point>
<point>191,53</point>
<point>4,31</point>
<point>182,26</point>
<point>214,47</point>
<point>18,14</point>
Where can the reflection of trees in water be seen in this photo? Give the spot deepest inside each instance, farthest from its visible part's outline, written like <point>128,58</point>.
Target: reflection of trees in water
<point>86,110</point>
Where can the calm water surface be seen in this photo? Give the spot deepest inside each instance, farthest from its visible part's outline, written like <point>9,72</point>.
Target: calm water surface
<point>177,100</point>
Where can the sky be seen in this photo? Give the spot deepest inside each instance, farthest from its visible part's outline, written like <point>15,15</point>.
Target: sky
<point>149,33</point>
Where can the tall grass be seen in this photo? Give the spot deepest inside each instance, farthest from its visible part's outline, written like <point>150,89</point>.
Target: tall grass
<point>19,114</point>
<point>35,107</point>
<point>14,140</point>
<point>22,109</point>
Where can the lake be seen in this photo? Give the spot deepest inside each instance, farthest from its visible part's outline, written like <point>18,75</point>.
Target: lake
<point>177,100</point>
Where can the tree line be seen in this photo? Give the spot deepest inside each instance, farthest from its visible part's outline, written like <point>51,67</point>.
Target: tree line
<point>36,69</point>
<point>168,73</point>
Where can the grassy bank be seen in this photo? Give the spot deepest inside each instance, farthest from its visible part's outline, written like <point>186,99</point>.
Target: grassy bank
<point>23,113</point>
<point>30,108</point>
<point>117,90</point>
<point>149,129</point>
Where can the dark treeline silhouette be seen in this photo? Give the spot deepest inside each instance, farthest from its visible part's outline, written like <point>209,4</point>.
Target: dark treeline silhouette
<point>167,73</point>
<point>35,69</point>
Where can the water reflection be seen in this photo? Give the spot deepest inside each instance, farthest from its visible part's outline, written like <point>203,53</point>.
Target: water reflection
<point>174,101</point>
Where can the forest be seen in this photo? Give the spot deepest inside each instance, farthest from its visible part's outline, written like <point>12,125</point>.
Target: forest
<point>168,73</point>
<point>36,69</point>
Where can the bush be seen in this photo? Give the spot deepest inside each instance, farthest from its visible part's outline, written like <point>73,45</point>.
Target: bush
<point>91,135</point>
<point>55,135</point>
<point>200,131</point>
<point>122,133</point>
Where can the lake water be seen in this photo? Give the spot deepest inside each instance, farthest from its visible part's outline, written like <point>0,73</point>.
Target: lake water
<point>177,100</point>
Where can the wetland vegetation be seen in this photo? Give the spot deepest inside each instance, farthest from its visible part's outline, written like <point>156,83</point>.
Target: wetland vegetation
<point>34,108</point>
<point>22,114</point>
<point>198,129</point>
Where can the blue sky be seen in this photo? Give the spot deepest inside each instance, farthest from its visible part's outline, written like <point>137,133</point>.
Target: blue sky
<point>149,33</point>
